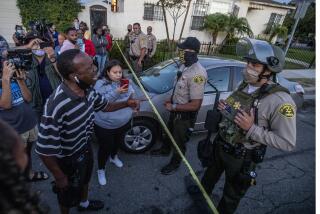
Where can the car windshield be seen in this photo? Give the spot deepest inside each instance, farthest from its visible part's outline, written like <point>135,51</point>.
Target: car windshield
<point>160,78</point>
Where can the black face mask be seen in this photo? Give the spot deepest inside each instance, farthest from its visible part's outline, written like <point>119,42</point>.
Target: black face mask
<point>129,30</point>
<point>81,84</point>
<point>190,58</point>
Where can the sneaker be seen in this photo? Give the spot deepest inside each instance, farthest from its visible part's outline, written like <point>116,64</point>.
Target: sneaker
<point>170,168</point>
<point>102,177</point>
<point>116,161</point>
<point>160,152</point>
<point>93,205</point>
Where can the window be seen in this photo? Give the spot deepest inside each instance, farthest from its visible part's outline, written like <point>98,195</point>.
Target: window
<point>273,20</point>
<point>237,77</point>
<point>235,11</point>
<point>152,12</point>
<point>117,5</point>
<point>219,77</point>
<point>220,7</point>
<point>200,9</point>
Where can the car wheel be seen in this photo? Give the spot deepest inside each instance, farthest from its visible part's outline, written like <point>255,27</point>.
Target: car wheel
<point>140,137</point>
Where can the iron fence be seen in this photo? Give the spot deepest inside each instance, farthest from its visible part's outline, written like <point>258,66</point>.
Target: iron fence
<point>296,58</point>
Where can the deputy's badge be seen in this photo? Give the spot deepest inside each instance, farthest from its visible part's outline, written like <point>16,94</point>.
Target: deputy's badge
<point>236,105</point>
<point>198,79</point>
<point>286,110</point>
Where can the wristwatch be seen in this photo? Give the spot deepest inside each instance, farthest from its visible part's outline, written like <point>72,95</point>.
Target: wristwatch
<point>53,60</point>
<point>174,107</point>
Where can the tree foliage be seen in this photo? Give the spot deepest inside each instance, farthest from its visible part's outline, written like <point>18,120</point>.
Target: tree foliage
<point>175,8</point>
<point>306,25</point>
<point>280,31</point>
<point>232,25</point>
<point>59,12</point>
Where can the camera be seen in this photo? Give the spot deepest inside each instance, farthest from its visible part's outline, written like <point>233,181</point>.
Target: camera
<point>20,58</point>
<point>40,28</point>
<point>20,35</point>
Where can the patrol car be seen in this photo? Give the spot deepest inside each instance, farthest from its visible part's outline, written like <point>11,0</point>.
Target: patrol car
<point>224,74</point>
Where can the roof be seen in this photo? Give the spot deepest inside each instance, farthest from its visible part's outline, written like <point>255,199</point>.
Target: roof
<point>273,4</point>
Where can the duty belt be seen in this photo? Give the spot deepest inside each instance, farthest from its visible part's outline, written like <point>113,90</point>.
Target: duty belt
<point>184,115</point>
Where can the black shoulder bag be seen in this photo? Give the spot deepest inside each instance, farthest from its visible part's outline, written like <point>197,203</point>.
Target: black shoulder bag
<point>206,147</point>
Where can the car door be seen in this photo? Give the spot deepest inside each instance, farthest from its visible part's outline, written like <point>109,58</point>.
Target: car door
<point>222,79</point>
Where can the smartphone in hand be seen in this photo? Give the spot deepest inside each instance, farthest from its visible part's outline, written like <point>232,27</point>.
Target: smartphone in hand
<point>124,82</point>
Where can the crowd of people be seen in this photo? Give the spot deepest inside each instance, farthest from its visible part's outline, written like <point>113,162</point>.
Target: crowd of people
<point>72,90</point>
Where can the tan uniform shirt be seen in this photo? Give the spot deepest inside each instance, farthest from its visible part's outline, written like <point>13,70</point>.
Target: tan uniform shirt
<point>137,42</point>
<point>152,44</point>
<point>191,84</point>
<point>276,122</point>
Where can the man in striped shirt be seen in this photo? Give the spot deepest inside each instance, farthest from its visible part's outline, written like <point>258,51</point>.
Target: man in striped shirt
<point>66,128</point>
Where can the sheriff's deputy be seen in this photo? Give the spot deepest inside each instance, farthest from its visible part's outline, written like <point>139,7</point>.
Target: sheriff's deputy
<point>260,113</point>
<point>138,48</point>
<point>185,102</point>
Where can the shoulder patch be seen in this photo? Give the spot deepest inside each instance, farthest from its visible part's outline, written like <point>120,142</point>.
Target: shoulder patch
<point>198,79</point>
<point>287,110</point>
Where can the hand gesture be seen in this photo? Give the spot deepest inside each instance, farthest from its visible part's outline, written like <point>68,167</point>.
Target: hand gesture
<point>33,43</point>
<point>21,75</point>
<point>168,106</point>
<point>123,89</point>
<point>8,70</point>
<point>244,120</point>
<point>140,63</point>
<point>50,52</point>
<point>221,105</point>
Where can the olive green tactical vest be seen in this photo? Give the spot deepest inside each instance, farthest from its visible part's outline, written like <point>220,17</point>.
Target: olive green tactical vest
<point>228,130</point>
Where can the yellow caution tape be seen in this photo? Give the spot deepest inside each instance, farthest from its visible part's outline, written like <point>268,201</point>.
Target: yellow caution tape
<point>193,174</point>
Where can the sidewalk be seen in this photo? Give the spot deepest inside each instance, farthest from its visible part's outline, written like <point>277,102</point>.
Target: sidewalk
<point>306,74</point>
<point>299,73</point>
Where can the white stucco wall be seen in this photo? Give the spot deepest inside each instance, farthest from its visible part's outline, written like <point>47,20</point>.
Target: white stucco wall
<point>133,12</point>
<point>258,19</point>
<point>9,18</point>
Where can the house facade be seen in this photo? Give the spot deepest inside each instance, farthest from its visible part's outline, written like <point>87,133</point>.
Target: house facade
<point>117,14</point>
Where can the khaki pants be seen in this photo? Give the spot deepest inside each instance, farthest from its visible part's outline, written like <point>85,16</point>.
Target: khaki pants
<point>30,136</point>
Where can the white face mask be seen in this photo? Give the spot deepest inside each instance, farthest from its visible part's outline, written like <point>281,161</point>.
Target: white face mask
<point>250,76</point>
<point>39,52</point>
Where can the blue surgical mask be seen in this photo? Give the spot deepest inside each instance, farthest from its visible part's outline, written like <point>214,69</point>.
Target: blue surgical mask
<point>39,52</point>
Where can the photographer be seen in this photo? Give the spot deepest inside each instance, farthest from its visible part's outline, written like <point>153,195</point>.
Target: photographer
<point>18,35</point>
<point>43,77</point>
<point>15,110</point>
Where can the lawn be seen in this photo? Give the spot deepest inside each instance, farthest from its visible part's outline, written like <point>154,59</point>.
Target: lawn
<point>301,54</point>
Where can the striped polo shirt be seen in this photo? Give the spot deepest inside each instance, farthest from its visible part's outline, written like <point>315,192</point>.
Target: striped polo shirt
<point>67,122</point>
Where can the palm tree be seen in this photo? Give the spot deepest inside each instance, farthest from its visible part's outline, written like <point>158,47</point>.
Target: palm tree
<point>278,30</point>
<point>237,27</point>
<point>215,23</point>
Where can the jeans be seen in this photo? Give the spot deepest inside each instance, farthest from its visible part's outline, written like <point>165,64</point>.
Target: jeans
<point>102,60</point>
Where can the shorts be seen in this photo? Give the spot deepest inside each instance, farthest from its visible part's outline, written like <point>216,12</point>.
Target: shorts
<point>78,169</point>
<point>30,136</point>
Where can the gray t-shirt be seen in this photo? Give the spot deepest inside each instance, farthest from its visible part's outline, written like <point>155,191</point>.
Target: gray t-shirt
<point>115,119</point>
<point>21,116</point>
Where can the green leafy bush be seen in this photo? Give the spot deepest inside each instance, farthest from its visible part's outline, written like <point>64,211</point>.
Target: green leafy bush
<point>59,12</point>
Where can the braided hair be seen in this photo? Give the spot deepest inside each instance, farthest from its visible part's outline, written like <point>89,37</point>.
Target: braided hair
<point>15,195</point>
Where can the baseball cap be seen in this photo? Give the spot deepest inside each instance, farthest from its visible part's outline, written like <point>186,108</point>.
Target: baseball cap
<point>190,43</point>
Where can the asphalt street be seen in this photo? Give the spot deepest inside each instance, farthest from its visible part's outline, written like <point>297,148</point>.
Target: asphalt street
<point>285,183</point>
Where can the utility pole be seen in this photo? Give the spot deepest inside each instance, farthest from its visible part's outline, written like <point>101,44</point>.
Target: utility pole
<point>302,6</point>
